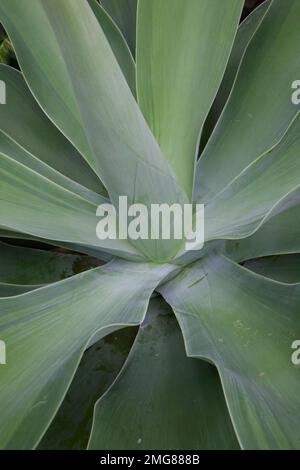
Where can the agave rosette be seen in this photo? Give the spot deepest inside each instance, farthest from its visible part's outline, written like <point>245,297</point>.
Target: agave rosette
<point>114,99</point>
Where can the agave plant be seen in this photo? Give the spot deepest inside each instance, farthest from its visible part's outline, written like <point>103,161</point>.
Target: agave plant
<point>116,98</point>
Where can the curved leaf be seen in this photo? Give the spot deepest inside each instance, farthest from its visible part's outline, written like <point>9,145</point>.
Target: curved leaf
<point>245,324</point>
<point>10,148</point>
<point>239,209</point>
<point>260,108</point>
<point>279,234</point>
<point>23,121</point>
<point>117,43</point>
<point>98,368</point>
<point>125,154</point>
<point>244,35</point>
<point>33,204</point>
<point>178,75</point>
<point>162,400</point>
<point>46,332</point>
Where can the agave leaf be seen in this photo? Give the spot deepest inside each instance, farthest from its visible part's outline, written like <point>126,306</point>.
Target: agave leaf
<point>19,265</point>
<point>126,154</point>
<point>117,43</point>
<point>98,368</point>
<point>178,75</point>
<point>35,43</point>
<point>260,108</point>
<point>46,332</point>
<point>39,56</point>
<point>33,204</point>
<point>241,207</point>
<point>13,150</point>
<point>163,399</point>
<point>285,268</point>
<point>124,14</point>
<point>87,250</point>
<point>280,233</point>
<point>23,121</point>
<point>244,35</point>
<point>245,324</point>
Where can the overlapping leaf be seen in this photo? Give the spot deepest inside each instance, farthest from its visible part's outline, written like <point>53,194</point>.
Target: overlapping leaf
<point>260,108</point>
<point>244,35</point>
<point>33,204</point>
<point>280,233</point>
<point>122,150</point>
<point>178,74</point>
<point>242,206</point>
<point>46,332</point>
<point>123,13</point>
<point>22,120</point>
<point>161,398</point>
<point>245,324</point>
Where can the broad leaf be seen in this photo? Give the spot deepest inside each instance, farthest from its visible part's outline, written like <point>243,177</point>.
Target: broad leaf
<point>244,35</point>
<point>245,324</point>
<point>24,122</point>
<point>117,43</point>
<point>124,153</point>
<point>162,399</point>
<point>279,234</point>
<point>46,332</point>
<point>32,204</point>
<point>13,150</point>
<point>260,108</point>
<point>178,75</point>
<point>241,207</point>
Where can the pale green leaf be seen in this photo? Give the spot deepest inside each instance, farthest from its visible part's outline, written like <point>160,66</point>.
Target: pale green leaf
<point>162,400</point>
<point>245,324</point>
<point>279,234</point>
<point>260,107</point>
<point>32,204</point>
<point>46,332</point>
<point>13,150</point>
<point>244,204</point>
<point>117,43</point>
<point>244,35</point>
<point>126,155</point>
<point>182,53</point>
<point>24,122</point>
